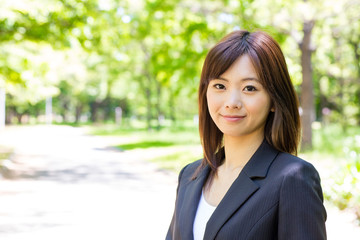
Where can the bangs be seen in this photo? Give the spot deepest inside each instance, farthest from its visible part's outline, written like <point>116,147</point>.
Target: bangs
<point>256,62</point>
<point>222,56</point>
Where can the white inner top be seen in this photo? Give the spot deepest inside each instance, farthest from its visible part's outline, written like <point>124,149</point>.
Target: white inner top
<point>203,214</point>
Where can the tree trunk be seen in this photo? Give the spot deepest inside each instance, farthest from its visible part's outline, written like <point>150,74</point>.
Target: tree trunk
<point>341,81</point>
<point>158,107</point>
<point>307,93</point>
<point>78,111</point>
<point>355,46</point>
<point>65,111</point>
<point>19,117</point>
<point>356,49</point>
<point>172,107</point>
<point>9,115</point>
<point>148,110</point>
<point>94,111</point>
<point>147,87</point>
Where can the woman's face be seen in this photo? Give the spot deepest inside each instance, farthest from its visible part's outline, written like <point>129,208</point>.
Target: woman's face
<point>238,102</point>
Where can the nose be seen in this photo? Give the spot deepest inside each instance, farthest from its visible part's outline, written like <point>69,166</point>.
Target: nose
<point>233,100</point>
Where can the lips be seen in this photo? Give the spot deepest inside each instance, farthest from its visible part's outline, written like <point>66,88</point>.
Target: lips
<point>233,118</point>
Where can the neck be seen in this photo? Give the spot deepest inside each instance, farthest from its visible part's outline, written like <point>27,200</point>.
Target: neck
<point>238,151</point>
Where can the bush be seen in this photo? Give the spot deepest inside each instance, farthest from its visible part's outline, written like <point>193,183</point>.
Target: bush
<point>344,185</point>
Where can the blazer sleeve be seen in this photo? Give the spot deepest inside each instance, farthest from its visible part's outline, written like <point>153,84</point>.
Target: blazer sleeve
<point>301,211</point>
<point>170,233</point>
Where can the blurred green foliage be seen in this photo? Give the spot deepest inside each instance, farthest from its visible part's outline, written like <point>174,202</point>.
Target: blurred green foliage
<point>333,140</point>
<point>145,56</point>
<point>342,185</point>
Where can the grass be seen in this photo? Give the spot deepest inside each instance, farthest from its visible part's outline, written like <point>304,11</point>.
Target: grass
<point>140,137</point>
<point>4,153</point>
<point>145,144</point>
<point>331,143</point>
<point>137,126</point>
<point>176,161</point>
<point>335,150</point>
<point>334,140</point>
<point>180,142</point>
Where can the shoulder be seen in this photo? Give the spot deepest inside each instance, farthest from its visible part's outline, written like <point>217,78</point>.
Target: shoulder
<point>293,165</point>
<point>296,173</point>
<point>188,171</point>
<point>300,195</point>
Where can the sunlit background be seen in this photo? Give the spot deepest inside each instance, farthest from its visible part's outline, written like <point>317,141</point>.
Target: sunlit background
<point>98,107</point>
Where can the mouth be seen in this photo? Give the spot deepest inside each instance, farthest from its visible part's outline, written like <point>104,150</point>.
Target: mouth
<point>233,118</point>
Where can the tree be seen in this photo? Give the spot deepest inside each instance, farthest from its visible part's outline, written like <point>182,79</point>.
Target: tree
<point>146,56</point>
<point>299,19</point>
<point>27,23</point>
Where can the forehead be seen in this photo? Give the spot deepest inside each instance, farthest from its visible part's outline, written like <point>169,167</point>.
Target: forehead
<point>242,68</point>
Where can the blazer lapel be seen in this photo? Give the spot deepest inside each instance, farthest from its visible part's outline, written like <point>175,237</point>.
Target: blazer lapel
<point>241,189</point>
<point>190,204</point>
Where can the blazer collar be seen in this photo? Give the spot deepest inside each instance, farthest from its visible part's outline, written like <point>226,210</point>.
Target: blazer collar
<point>259,163</point>
<point>241,189</point>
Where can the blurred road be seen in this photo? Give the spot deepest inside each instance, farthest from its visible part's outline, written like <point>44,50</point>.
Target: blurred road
<point>68,185</point>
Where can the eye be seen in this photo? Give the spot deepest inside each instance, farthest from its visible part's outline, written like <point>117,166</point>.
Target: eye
<point>250,88</point>
<point>219,86</point>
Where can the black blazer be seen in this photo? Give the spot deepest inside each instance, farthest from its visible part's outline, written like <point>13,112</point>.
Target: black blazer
<point>276,196</point>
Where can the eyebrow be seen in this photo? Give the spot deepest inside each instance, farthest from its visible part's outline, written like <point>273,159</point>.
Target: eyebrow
<point>243,79</point>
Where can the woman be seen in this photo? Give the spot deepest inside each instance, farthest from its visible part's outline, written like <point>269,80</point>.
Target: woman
<point>250,184</point>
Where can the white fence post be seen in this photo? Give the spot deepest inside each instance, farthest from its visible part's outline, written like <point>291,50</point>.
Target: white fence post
<point>118,115</point>
<point>48,110</point>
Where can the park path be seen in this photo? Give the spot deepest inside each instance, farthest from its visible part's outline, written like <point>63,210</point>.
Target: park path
<point>69,185</point>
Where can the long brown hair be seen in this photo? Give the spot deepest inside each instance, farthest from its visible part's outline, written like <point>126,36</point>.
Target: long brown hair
<point>282,128</point>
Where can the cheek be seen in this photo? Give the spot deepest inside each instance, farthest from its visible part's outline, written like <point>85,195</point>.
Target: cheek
<point>212,102</point>
<point>263,106</point>
<point>258,105</point>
